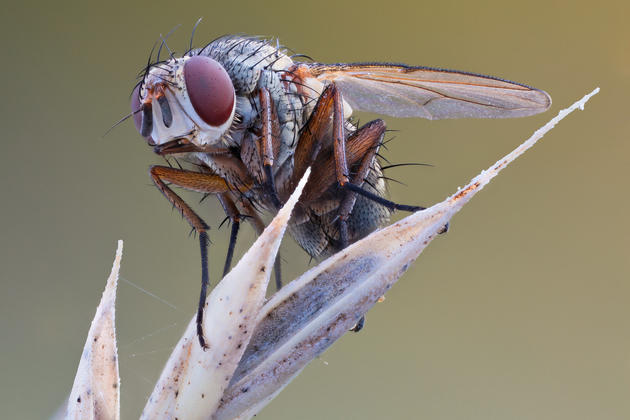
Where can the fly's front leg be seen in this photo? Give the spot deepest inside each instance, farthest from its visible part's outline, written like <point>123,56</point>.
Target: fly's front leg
<point>204,183</point>
<point>269,121</point>
<point>190,180</point>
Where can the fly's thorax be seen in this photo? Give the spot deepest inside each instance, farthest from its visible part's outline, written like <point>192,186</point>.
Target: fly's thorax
<point>253,64</point>
<point>190,97</point>
<point>246,59</point>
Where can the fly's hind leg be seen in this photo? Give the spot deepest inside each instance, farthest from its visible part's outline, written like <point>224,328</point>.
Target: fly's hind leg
<point>361,147</point>
<point>342,150</point>
<point>345,152</point>
<point>341,161</point>
<point>200,182</point>
<point>364,142</point>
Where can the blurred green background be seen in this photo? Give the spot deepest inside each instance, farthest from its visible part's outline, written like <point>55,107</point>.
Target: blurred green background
<point>521,311</point>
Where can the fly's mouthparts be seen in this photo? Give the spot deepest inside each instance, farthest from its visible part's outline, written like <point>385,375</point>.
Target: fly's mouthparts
<point>180,145</point>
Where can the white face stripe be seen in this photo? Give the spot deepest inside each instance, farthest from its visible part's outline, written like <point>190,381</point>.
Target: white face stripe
<point>182,124</point>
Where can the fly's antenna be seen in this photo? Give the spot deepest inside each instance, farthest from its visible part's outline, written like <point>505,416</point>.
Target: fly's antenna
<point>126,117</point>
<point>120,121</point>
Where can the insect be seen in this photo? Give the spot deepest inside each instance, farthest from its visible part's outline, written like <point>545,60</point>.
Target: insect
<point>249,119</point>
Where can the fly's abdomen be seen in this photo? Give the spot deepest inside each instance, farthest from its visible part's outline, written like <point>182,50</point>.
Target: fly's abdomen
<point>317,232</point>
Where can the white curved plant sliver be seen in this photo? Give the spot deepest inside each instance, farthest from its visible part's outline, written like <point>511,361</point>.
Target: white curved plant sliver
<point>309,314</point>
<point>194,380</point>
<point>96,390</point>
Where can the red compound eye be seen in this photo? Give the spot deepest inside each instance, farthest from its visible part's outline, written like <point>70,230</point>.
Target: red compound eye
<point>210,90</point>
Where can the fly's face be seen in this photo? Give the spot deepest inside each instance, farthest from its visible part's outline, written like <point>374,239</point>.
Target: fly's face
<point>189,98</point>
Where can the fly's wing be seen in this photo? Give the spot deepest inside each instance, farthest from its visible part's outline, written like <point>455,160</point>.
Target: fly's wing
<point>403,91</point>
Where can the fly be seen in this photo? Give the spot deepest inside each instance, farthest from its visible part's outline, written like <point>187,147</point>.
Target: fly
<point>249,119</point>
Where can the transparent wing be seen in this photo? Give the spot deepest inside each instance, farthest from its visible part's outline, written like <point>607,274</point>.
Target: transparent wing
<point>403,91</point>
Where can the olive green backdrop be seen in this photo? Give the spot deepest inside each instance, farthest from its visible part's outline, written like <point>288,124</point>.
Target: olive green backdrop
<point>519,312</point>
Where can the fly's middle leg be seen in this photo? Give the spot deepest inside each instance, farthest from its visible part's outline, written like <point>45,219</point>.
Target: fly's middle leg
<point>233,215</point>
<point>259,226</point>
<point>341,161</point>
<point>269,122</point>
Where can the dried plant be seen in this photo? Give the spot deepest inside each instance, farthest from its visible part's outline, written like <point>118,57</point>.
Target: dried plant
<point>96,390</point>
<point>257,346</point>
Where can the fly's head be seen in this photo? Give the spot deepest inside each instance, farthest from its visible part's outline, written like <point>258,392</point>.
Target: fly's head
<point>191,98</point>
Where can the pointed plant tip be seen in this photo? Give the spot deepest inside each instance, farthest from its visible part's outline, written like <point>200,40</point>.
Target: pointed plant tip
<point>295,196</point>
<point>95,393</point>
<point>587,97</point>
<point>117,260</point>
<point>463,195</point>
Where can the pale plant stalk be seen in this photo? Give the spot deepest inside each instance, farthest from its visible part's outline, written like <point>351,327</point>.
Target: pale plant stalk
<point>257,347</point>
<point>96,390</point>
